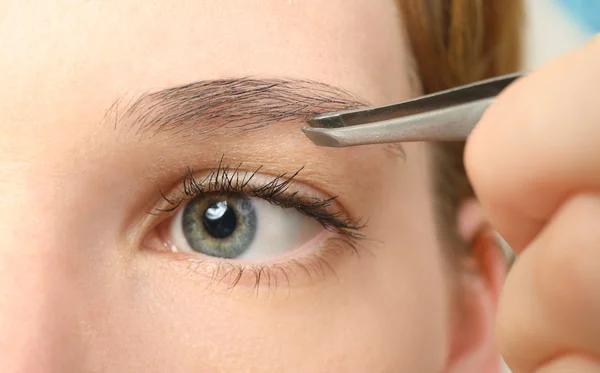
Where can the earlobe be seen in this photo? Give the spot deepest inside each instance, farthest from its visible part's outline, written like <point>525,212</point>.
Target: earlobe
<point>481,278</point>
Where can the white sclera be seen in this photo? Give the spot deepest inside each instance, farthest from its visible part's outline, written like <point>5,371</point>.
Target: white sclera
<point>278,231</point>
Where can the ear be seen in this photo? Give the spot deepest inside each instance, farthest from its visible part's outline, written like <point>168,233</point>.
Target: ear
<point>480,281</point>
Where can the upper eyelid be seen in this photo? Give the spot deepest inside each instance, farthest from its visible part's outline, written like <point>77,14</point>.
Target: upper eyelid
<point>322,207</point>
<point>218,174</point>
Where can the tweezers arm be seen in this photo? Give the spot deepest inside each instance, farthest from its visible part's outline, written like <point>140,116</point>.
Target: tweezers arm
<point>452,123</point>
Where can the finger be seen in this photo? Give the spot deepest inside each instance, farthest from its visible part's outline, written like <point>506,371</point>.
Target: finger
<point>551,300</point>
<point>537,144</point>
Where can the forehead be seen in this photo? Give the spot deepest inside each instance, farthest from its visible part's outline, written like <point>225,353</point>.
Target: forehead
<point>129,45</point>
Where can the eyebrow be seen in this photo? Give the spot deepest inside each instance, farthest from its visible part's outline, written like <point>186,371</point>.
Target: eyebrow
<point>240,104</point>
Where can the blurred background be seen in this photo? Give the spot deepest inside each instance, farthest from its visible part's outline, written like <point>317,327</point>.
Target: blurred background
<point>554,27</point>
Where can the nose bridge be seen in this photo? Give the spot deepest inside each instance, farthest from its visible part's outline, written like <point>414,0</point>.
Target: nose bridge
<point>37,295</point>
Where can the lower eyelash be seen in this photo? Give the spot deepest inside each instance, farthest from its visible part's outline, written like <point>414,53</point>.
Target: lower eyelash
<point>268,279</point>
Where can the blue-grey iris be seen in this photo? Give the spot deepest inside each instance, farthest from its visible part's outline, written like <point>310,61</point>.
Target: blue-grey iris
<point>219,225</point>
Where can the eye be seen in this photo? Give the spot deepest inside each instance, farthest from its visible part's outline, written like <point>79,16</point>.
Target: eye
<point>235,226</point>
<point>242,227</point>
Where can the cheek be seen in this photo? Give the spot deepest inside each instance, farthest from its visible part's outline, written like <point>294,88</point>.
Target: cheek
<point>374,317</point>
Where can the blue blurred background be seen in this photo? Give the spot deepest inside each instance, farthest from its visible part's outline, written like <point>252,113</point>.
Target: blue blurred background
<point>555,26</point>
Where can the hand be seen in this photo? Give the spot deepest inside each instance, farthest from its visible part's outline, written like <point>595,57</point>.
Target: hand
<point>534,161</point>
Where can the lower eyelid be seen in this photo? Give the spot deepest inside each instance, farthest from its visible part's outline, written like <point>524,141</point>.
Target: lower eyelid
<point>317,265</point>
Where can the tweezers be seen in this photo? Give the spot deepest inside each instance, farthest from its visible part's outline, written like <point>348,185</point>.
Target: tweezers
<point>449,115</point>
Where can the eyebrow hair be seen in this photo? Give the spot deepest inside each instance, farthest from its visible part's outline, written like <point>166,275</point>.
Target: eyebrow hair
<point>238,104</point>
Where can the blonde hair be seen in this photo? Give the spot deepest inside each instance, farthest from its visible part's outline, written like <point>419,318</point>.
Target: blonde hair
<point>455,42</point>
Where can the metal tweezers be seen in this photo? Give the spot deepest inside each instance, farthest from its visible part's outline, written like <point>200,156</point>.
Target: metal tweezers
<point>445,116</point>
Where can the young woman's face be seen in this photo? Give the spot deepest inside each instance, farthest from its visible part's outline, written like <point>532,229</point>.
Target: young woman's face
<point>145,222</point>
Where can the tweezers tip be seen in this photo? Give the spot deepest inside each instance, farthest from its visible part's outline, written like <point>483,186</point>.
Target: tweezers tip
<point>320,137</point>
<point>327,120</point>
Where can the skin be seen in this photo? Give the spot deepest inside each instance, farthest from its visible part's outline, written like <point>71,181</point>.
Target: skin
<point>539,184</point>
<point>86,285</point>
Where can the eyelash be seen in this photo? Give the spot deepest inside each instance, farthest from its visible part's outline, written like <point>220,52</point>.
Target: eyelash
<point>226,179</point>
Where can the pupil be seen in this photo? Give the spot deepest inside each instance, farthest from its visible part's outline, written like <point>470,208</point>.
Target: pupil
<point>219,220</point>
